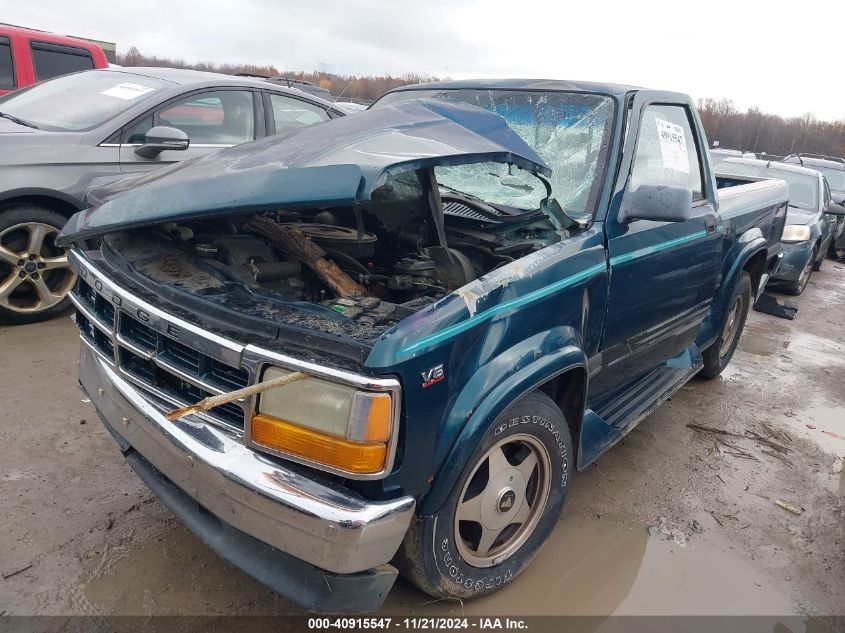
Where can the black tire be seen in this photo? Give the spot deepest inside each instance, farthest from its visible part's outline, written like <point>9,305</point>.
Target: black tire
<point>430,557</point>
<point>818,262</point>
<point>16,310</point>
<point>797,287</point>
<point>719,354</point>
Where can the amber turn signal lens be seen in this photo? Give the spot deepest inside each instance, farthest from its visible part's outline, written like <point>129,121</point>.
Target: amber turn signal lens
<point>342,454</point>
<point>369,420</point>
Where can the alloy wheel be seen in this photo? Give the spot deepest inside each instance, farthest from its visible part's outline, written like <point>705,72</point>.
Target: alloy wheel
<point>35,274</point>
<point>503,500</point>
<point>804,279</point>
<point>732,325</point>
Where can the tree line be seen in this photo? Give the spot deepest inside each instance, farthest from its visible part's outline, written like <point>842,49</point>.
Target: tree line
<point>750,131</point>
<point>757,131</point>
<point>358,88</point>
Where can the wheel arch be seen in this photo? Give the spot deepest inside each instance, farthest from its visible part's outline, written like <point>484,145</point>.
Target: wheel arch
<point>749,253</point>
<point>54,200</point>
<point>556,373</point>
<point>754,266</point>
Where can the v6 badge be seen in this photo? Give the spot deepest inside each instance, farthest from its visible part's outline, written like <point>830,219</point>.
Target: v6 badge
<point>432,376</point>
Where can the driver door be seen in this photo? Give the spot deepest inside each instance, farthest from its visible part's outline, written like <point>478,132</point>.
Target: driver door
<point>663,275</point>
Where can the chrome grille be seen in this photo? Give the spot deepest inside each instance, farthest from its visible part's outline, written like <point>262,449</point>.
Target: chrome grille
<point>169,370</point>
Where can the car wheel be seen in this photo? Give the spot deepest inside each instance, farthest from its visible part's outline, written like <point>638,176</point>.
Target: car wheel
<point>818,262</point>
<point>719,354</point>
<point>500,512</point>
<point>797,287</point>
<point>35,275</point>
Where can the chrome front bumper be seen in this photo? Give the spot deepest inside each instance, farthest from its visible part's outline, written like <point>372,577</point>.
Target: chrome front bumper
<point>326,526</point>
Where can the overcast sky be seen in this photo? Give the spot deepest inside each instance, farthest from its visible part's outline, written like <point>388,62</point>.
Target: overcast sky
<point>786,58</point>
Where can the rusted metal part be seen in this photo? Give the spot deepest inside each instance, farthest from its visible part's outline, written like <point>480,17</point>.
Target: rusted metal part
<point>215,401</point>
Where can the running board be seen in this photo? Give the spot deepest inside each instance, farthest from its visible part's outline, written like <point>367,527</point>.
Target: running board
<point>601,430</point>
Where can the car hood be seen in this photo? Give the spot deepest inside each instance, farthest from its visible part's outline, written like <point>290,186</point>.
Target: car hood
<point>338,162</point>
<point>15,138</point>
<point>794,215</point>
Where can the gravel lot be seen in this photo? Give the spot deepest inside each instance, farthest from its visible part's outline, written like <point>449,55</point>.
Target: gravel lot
<point>671,521</point>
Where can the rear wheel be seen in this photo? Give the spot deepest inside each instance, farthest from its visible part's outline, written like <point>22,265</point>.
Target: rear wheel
<point>719,354</point>
<point>501,511</point>
<point>35,275</point>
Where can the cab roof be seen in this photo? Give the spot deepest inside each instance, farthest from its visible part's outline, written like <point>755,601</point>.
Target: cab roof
<point>618,90</point>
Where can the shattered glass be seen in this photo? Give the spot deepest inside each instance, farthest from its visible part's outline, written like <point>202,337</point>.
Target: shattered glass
<point>570,131</point>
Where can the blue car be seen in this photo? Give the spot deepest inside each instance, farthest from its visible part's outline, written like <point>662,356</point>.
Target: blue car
<point>811,221</point>
<point>833,169</point>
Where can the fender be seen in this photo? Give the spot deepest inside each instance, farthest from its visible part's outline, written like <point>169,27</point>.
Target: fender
<point>40,192</point>
<point>512,387</point>
<point>748,245</point>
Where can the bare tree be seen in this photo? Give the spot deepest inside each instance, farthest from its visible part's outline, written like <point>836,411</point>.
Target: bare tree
<point>356,88</point>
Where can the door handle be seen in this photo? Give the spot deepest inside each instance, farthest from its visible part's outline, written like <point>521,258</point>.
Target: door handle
<point>710,224</point>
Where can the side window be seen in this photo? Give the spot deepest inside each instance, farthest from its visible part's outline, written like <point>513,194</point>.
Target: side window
<point>291,113</point>
<point>826,193</point>
<point>52,60</point>
<point>7,68</point>
<point>220,117</point>
<point>666,150</point>
<point>134,135</point>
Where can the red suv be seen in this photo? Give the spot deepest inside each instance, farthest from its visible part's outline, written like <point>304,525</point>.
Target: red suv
<point>28,56</point>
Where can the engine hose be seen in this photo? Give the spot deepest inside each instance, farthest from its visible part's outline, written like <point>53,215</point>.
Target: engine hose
<point>334,254</point>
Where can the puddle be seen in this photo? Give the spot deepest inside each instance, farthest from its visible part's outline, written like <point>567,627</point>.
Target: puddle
<point>764,338</point>
<point>602,567</point>
<point>823,425</point>
<point>594,567</point>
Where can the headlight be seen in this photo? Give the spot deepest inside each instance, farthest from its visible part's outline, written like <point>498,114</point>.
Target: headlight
<point>325,422</point>
<point>795,233</point>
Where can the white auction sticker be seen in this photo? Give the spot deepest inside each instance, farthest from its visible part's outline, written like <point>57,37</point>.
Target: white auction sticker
<point>673,146</point>
<point>127,91</point>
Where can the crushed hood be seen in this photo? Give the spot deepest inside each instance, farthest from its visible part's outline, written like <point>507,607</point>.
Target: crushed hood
<point>338,162</point>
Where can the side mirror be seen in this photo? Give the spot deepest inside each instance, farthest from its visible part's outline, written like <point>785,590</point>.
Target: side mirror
<point>835,209</point>
<point>161,138</point>
<point>661,203</point>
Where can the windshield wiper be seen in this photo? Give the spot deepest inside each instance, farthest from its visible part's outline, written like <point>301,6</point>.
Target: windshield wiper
<point>15,119</point>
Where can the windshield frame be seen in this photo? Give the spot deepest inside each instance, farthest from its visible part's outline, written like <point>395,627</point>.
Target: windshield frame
<point>120,77</point>
<point>599,193</point>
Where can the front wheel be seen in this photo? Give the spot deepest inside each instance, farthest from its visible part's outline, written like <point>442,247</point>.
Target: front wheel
<point>719,354</point>
<point>818,262</point>
<point>35,275</point>
<point>797,287</point>
<point>500,512</point>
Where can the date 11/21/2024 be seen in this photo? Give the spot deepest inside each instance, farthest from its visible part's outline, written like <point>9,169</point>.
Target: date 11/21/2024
<point>417,623</point>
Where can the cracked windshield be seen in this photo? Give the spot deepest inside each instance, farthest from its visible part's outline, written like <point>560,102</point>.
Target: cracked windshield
<point>569,131</point>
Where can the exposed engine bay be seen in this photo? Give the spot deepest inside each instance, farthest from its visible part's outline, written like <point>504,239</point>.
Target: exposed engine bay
<point>373,264</point>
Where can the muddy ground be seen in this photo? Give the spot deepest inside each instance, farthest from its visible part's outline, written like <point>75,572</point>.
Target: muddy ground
<point>671,521</point>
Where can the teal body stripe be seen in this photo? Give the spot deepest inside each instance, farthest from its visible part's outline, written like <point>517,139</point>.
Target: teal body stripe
<point>545,291</point>
<point>648,250</point>
<point>535,295</point>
